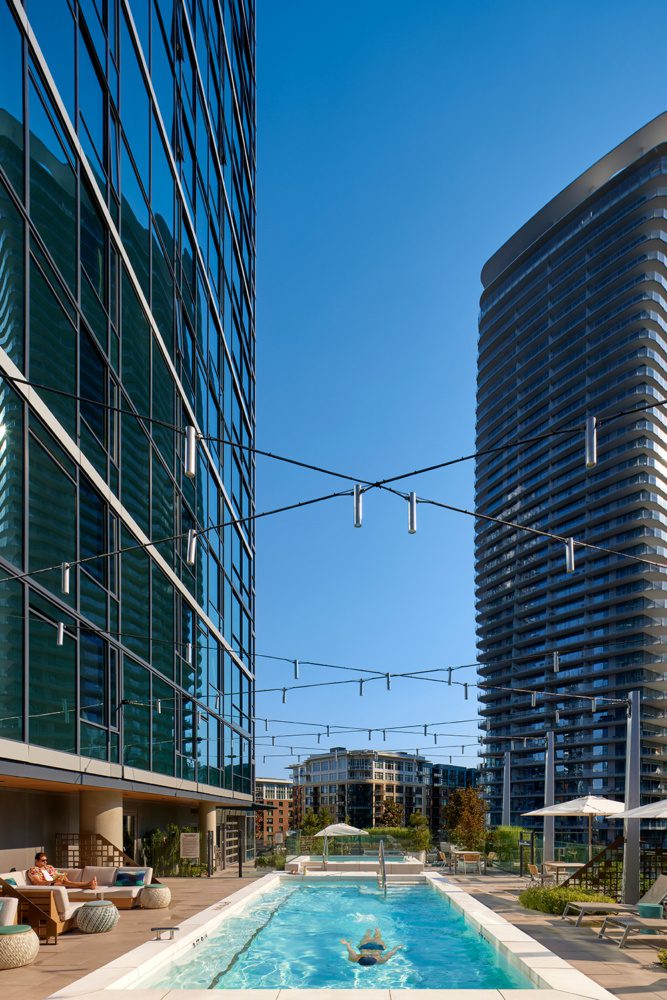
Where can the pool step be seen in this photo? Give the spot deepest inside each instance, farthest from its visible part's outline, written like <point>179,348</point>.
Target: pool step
<point>405,879</point>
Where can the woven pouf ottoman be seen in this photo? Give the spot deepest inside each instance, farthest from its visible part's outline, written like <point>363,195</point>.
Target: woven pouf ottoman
<point>155,897</point>
<point>96,917</point>
<point>18,946</point>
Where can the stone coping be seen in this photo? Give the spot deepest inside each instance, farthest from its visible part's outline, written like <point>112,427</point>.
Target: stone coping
<point>554,978</point>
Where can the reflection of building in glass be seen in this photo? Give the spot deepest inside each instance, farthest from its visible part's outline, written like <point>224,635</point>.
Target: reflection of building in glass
<point>274,821</point>
<point>126,279</point>
<point>572,324</point>
<point>356,783</point>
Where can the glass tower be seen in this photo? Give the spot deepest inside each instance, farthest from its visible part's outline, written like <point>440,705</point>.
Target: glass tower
<point>127,300</point>
<point>573,324</point>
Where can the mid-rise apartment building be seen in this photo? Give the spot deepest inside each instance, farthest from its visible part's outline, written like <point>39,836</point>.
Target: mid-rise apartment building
<point>354,784</point>
<point>127,216</point>
<point>573,325</point>
<point>274,817</point>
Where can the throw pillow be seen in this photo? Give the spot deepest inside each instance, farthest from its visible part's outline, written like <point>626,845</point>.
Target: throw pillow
<point>11,881</point>
<point>130,879</point>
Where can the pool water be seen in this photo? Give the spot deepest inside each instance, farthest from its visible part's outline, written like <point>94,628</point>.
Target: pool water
<point>290,938</point>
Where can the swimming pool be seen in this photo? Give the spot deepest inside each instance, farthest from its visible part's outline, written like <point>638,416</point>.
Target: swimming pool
<point>289,938</point>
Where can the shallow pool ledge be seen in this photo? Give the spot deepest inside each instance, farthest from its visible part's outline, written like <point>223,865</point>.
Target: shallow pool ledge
<point>553,977</point>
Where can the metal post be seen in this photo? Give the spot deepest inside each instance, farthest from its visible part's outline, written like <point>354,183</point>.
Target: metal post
<point>241,849</point>
<point>548,835</point>
<point>507,772</point>
<point>209,853</point>
<point>632,785</point>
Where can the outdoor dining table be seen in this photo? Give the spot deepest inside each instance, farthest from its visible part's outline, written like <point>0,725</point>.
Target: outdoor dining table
<point>558,866</point>
<point>467,857</point>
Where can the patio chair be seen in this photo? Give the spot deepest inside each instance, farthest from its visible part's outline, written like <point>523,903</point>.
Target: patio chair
<point>656,894</point>
<point>630,923</point>
<point>470,858</point>
<point>490,860</point>
<point>535,877</point>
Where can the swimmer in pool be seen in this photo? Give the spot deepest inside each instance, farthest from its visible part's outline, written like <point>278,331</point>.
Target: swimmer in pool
<point>371,948</point>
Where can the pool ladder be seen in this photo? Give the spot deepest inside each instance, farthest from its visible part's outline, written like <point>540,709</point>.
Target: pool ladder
<point>382,868</point>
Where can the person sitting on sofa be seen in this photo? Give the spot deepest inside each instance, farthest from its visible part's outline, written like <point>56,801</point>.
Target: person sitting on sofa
<point>45,874</point>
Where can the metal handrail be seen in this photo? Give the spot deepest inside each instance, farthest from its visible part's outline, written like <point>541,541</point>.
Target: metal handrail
<point>382,868</point>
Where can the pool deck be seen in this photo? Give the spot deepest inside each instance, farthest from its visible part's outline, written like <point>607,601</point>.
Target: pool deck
<point>631,974</point>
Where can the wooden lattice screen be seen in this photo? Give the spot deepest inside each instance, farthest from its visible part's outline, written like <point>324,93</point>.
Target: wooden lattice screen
<point>75,850</point>
<point>603,873</point>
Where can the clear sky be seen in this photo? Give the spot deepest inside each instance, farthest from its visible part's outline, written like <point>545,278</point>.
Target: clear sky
<point>399,145</point>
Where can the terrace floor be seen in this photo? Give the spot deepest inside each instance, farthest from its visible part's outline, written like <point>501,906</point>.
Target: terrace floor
<point>631,974</point>
<point>77,954</point>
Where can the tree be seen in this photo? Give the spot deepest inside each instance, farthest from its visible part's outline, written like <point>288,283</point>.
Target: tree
<point>392,813</point>
<point>465,818</point>
<point>417,819</point>
<point>310,823</point>
<point>421,834</point>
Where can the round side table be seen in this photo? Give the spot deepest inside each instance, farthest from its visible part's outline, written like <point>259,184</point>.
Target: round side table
<point>155,897</point>
<point>97,917</point>
<point>19,946</point>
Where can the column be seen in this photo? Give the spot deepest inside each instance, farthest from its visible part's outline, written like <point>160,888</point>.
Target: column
<point>207,822</point>
<point>632,789</point>
<point>101,811</point>
<point>548,841</point>
<point>507,780</point>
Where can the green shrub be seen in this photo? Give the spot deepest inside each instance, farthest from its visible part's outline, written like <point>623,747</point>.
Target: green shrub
<point>276,861</point>
<point>662,957</point>
<point>555,900</point>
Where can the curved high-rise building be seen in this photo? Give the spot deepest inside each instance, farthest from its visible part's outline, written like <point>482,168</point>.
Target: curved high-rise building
<point>573,324</point>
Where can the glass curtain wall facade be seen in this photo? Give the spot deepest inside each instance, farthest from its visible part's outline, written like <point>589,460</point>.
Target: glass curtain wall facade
<point>127,288</point>
<point>573,323</point>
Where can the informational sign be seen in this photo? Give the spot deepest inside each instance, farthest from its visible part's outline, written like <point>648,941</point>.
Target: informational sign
<point>190,846</point>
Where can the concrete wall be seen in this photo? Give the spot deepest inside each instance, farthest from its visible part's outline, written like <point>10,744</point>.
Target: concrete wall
<point>29,822</point>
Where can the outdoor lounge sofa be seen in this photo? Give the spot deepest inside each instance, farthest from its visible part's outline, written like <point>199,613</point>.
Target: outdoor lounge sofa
<point>51,909</point>
<point>656,894</point>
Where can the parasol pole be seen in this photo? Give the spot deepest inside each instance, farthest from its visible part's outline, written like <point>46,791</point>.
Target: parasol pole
<point>590,836</point>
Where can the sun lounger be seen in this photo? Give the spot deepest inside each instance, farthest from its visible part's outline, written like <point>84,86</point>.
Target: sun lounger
<point>656,894</point>
<point>631,923</point>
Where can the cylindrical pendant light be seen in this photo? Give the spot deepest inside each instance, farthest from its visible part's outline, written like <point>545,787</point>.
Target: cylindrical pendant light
<point>591,442</point>
<point>64,577</point>
<point>191,554</point>
<point>412,513</point>
<point>358,506</point>
<point>60,634</point>
<point>569,555</point>
<point>190,464</point>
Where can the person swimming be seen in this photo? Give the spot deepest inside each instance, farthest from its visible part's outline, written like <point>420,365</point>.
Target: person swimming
<point>371,949</point>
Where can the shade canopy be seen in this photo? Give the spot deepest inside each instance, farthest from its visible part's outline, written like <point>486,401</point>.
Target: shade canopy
<point>341,830</point>
<point>587,805</point>
<point>654,810</point>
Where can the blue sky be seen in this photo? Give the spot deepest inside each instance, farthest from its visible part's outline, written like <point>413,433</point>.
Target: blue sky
<point>399,144</point>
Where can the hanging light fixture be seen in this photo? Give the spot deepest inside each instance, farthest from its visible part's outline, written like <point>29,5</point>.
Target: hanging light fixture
<point>60,634</point>
<point>425,729</point>
<point>273,741</point>
<point>388,682</point>
<point>533,699</point>
<point>370,735</point>
<point>465,691</point>
<point>328,734</point>
<point>591,442</point>
<point>435,738</point>
<point>158,706</point>
<point>449,676</point>
<point>594,705</point>
<point>296,670</point>
<point>188,653</point>
<point>556,716</point>
<point>358,505</point>
<point>556,661</point>
<point>384,735</point>
<point>64,577</point>
<point>266,725</point>
<point>319,737</point>
<point>569,555</point>
<point>361,689</point>
<point>412,513</point>
<point>190,464</point>
<point>192,547</point>
<point>284,695</point>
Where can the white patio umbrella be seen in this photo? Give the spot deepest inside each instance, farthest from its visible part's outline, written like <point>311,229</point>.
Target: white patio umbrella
<point>654,810</point>
<point>587,805</point>
<point>339,830</point>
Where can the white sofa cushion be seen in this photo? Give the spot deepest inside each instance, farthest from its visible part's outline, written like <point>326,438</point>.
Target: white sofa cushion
<point>104,876</point>
<point>8,907</point>
<point>19,878</point>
